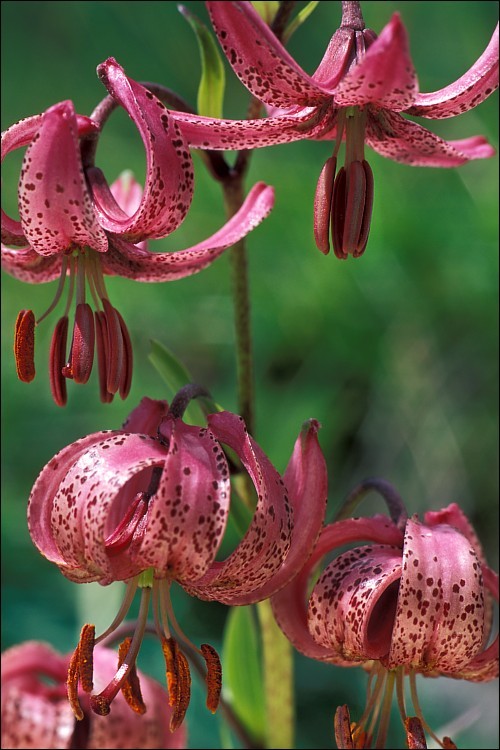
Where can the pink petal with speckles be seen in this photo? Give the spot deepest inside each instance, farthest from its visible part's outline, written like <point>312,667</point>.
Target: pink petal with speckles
<point>306,482</point>
<point>168,190</point>
<point>465,93</point>
<point>146,417</point>
<point>385,76</point>
<point>54,203</point>
<point>21,134</point>
<point>352,606</point>
<point>93,498</point>
<point>265,545</point>
<point>259,60</point>
<point>404,141</point>
<point>36,712</point>
<point>440,617</point>
<point>188,514</point>
<point>127,192</point>
<point>206,132</point>
<point>290,604</point>
<point>27,265</point>
<point>484,666</point>
<point>44,490</point>
<point>124,259</point>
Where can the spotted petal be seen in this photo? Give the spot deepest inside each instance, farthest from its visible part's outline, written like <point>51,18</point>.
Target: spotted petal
<point>189,511</point>
<point>206,132</point>
<point>19,135</point>
<point>54,203</point>
<point>129,260</point>
<point>27,265</point>
<point>385,76</point>
<point>266,543</point>
<point>259,60</point>
<point>404,141</point>
<point>290,604</point>
<point>93,498</point>
<point>306,481</point>
<point>352,606</point>
<point>168,190</point>
<point>440,616</point>
<point>467,92</point>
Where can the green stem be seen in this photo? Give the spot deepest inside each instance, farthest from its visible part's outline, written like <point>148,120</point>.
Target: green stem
<point>278,680</point>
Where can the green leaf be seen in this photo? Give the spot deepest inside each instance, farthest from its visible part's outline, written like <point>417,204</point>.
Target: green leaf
<point>175,375</point>
<point>266,9</point>
<point>299,20</point>
<point>213,76</point>
<point>242,678</point>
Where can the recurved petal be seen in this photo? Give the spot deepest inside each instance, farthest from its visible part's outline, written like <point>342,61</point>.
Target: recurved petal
<point>466,93</point>
<point>440,616</point>
<point>353,604</point>
<point>290,604</point>
<point>265,545</point>
<point>168,190</point>
<point>307,483</point>
<point>259,60</point>
<point>21,134</point>
<point>44,490</point>
<point>391,135</point>
<point>93,498</point>
<point>295,125</point>
<point>128,260</point>
<point>54,203</point>
<point>484,666</point>
<point>27,265</point>
<point>189,511</point>
<point>385,76</point>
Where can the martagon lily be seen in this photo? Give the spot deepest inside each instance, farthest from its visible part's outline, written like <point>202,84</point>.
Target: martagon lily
<point>411,597</point>
<point>36,712</point>
<point>358,94</point>
<point>72,228</point>
<point>149,504</point>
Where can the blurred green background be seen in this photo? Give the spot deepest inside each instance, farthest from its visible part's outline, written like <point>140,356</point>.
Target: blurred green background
<point>396,354</point>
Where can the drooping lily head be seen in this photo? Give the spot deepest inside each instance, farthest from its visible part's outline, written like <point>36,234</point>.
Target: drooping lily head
<point>357,95</point>
<point>411,597</point>
<point>76,228</point>
<point>36,712</point>
<point>149,505</point>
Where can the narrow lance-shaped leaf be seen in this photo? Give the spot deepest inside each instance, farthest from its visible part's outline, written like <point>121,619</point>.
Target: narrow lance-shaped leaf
<point>299,20</point>
<point>243,680</point>
<point>213,76</point>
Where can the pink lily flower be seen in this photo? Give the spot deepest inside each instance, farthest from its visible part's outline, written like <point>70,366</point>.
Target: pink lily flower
<point>36,712</point>
<point>413,597</point>
<point>149,505</point>
<point>358,94</point>
<point>71,227</point>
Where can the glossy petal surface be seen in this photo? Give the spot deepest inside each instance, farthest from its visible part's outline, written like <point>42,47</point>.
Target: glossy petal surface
<point>54,204</point>
<point>259,60</point>
<point>169,170</point>
<point>465,93</point>
<point>124,259</point>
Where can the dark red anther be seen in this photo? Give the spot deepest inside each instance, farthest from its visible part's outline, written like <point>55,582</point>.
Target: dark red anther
<point>24,346</point>
<point>115,353</point>
<point>101,332</point>
<point>352,205</point>
<point>82,346</point>
<point>57,361</point>
<point>128,359</point>
<point>323,205</point>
